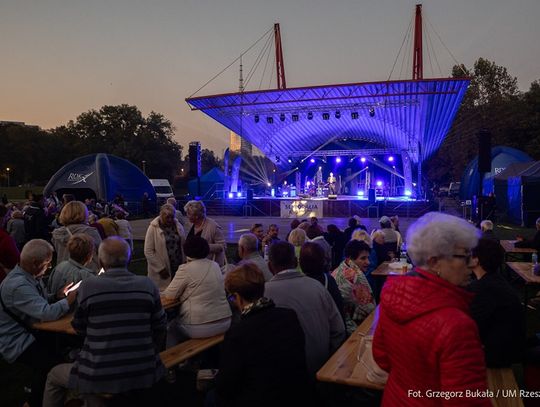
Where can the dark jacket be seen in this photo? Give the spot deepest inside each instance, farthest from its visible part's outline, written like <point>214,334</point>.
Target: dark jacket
<point>533,243</point>
<point>36,224</point>
<point>263,360</point>
<point>490,234</point>
<point>498,313</point>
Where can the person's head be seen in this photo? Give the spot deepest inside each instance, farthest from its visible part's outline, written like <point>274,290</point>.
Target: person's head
<point>74,212</point>
<point>196,247</point>
<point>258,230</point>
<point>294,224</point>
<point>395,221</point>
<point>312,261</point>
<point>195,212</point>
<point>313,231</point>
<point>120,215</point>
<point>304,225</point>
<point>297,237</point>
<point>314,220</point>
<point>362,236</point>
<point>486,225</point>
<point>488,254</point>
<point>333,229</point>
<point>385,222</point>
<point>273,230</point>
<point>247,244</point>
<point>352,222</point>
<point>281,257</point>
<point>17,214</point>
<point>36,257</point>
<point>167,215</point>
<point>358,253</point>
<point>246,281</point>
<point>377,237</point>
<point>81,248</point>
<point>114,252</point>
<point>442,244</point>
<point>171,201</point>
<point>67,198</point>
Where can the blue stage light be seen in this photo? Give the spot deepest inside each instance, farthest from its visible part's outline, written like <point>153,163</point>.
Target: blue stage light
<point>338,159</point>
<point>391,158</point>
<point>231,195</point>
<point>363,159</point>
<point>312,160</point>
<point>408,192</point>
<point>360,193</point>
<point>239,194</point>
<point>379,183</point>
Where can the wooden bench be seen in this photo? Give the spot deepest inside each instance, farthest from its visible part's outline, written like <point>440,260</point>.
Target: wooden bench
<point>185,350</point>
<point>503,380</point>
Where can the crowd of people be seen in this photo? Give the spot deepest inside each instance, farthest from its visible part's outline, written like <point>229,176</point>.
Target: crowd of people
<point>297,298</point>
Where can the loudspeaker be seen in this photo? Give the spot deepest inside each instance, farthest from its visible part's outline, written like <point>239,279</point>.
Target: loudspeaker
<point>484,151</point>
<point>332,196</point>
<point>194,159</point>
<point>371,195</point>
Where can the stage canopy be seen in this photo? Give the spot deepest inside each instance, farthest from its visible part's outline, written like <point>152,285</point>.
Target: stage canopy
<point>394,117</point>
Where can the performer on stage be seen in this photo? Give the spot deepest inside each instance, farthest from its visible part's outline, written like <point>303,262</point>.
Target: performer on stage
<point>332,184</point>
<point>318,177</point>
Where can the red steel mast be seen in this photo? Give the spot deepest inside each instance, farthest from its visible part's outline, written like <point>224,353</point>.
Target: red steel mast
<point>280,69</point>
<point>418,67</point>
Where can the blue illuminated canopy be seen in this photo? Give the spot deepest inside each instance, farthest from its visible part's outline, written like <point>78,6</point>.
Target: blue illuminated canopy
<point>392,116</point>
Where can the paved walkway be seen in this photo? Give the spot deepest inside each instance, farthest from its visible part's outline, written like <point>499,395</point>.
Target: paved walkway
<point>235,226</point>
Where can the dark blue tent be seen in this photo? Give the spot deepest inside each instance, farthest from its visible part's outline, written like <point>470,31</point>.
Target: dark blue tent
<point>501,158</point>
<point>517,193</point>
<point>208,181</point>
<point>101,176</point>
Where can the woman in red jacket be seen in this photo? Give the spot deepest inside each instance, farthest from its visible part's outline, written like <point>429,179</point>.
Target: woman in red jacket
<point>425,338</point>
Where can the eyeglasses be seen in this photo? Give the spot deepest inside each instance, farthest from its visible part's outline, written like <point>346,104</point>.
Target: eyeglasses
<point>466,257</point>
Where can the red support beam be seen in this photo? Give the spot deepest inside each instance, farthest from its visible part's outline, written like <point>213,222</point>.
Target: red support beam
<point>280,68</point>
<point>418,66</point>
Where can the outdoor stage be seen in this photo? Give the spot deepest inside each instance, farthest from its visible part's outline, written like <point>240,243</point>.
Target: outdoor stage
<point>342,207</point>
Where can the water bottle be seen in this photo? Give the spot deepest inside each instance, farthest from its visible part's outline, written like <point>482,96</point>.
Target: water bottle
<point>266,252</point>
<point>403,254</point>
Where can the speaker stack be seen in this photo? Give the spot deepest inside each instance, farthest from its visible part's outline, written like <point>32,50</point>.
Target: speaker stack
<point>194,159</point>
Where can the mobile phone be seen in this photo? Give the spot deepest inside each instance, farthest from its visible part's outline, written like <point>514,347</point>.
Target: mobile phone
<point>73,287</point>
<point>101,271</point>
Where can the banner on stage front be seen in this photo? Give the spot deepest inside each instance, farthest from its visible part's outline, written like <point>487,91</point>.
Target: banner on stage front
<point>301,209</point>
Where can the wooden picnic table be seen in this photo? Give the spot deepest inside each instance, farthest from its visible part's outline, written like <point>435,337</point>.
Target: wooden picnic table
<point>63,325</point>
<point>510,251</point>
<point>385,270</point>
<point>524,270</point>
<point>343,367</point>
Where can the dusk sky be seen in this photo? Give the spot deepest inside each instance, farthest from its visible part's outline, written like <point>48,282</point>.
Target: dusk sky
<point>62,58</point>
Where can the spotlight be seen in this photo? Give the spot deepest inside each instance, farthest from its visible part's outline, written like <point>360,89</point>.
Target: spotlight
<point>269,120</point>
<point>282,117</point>
<point>256,118</point>
<point>239,194</point>
<point>312,160</point>
<point>326,116</point>
<point>310,116</point>
<point>379,183</point>
<point>391,158</point>
<point>354,115</point>
<point>338,114</point>
<point>371,111</point>
<point>363,159</point>
<point>360,193</point>
<point>273,192</point>
<point>338,159</point>
<point>289,160</point>
<point>408,192</point>
<point>231,195</point>
<point>295,117</point>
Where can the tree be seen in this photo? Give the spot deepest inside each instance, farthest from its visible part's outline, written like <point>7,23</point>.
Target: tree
<point>123,131</point>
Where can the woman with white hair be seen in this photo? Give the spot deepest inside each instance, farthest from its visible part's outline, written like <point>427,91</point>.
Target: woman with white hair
<point>163,247</point>
<point>425,338</point>
<point>200,225</point>
<point>297,238</point>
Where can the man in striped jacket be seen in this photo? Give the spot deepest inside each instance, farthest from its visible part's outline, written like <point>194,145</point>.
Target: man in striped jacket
<point>124,325</point>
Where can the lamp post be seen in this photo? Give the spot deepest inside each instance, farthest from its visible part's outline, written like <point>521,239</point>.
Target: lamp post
<point>144,167</point>
<point>8,170</point>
